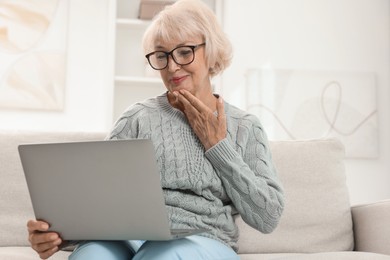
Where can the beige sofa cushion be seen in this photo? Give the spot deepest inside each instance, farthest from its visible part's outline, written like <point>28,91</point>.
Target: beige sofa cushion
<point>317,256</point>
<point>15,201</point>
<point>317,216</point>
<point>27,253</point>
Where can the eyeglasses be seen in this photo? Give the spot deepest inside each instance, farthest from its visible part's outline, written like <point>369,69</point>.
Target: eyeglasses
<point>182,55</point>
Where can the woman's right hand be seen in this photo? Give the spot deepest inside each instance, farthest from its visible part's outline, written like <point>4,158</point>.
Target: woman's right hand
<point>44,243</point>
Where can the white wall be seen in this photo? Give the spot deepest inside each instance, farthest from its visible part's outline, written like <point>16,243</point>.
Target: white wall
<point>351,35</point>
<point>88,99</point>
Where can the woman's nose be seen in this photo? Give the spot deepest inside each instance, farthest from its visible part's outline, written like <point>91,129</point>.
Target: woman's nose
<point>172,65</point>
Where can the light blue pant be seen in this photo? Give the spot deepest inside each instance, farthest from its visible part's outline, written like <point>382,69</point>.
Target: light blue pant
<point>193,247</point>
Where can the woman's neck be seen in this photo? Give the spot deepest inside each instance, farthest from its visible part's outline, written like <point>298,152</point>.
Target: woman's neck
<point>209,99</point>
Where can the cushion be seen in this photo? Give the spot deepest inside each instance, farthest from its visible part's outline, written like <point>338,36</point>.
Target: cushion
<point>317,256</point>
<point>338,256</point>
<point>267,256</point>
<point>27,253</point>
<point>15,202</point>
<point>317,216</point>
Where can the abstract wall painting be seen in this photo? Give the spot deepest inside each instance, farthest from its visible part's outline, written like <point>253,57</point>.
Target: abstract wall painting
<point>33,37</point>
<point>304,104</point>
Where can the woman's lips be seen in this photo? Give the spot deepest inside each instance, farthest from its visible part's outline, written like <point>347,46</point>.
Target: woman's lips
<point>178,80</point>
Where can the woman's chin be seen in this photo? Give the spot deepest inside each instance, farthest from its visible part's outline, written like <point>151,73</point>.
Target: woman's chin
<point>177,88</point>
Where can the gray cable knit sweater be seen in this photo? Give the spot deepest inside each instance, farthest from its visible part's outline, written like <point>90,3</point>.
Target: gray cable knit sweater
<point>207,188</point>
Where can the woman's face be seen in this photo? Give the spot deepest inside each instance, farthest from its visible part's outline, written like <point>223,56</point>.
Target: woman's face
<point>193,77</point>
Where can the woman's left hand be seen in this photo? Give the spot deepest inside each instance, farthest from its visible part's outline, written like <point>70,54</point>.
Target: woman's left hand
<point>209,128</point>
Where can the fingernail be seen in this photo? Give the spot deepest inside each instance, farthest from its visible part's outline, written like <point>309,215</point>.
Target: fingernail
<point>45,226</point>
<point>175,93</point>
<point>53,237</point>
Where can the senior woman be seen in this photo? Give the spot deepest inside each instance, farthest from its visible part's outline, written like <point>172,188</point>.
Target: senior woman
<point>214,159</point>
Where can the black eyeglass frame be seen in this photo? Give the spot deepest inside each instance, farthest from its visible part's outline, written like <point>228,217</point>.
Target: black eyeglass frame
<point>170,53</point>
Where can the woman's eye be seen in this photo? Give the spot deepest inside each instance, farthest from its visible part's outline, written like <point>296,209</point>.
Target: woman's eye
<point>184,52</point>
<point>160,56</point>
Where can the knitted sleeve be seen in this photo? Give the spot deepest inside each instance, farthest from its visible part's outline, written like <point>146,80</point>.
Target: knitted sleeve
<point>250,179</point>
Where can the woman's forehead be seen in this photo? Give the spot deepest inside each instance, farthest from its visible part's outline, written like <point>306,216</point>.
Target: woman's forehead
<point>174,42</point>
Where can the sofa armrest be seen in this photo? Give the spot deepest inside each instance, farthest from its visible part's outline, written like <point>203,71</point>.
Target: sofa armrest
<point>371,225</point>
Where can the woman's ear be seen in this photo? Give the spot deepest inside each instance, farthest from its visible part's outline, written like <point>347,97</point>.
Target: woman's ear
<point>213,69</point>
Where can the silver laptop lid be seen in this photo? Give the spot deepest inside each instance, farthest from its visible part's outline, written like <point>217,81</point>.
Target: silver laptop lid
<point>99,190</point>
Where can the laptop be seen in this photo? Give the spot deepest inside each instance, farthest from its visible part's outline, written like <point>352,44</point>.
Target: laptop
<point>98,190</point>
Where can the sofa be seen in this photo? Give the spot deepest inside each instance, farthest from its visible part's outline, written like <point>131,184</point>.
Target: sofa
<point>318,221</point>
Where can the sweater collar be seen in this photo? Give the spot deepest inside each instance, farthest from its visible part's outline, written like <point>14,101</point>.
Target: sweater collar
<point>167,108</point>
